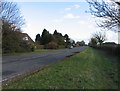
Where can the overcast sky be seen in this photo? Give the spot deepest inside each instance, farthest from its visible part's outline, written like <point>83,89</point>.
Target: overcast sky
<point>66,17</point>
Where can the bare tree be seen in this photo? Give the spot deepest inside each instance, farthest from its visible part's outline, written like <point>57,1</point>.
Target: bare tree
<point>10,13</point>
<point>108,11</point>
<point>100,37</point>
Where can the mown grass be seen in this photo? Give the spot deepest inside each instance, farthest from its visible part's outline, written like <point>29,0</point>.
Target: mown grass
<point>91,69</point>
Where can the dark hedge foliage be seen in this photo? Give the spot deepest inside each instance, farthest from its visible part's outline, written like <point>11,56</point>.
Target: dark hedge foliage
<point>12,42</point>
<point>114,50</point>
<point>51,45</point>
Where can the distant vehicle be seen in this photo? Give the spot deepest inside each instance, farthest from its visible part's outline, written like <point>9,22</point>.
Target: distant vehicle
<point>70,47</point>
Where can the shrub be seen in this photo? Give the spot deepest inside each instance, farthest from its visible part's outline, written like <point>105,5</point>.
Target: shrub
<point>114,50</point>
<point>61,46</point>
<point>37,46</point>
<point>13,42</point>
<point>51,45</point>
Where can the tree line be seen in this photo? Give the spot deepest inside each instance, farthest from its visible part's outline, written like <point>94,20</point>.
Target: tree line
<point>12,22</point>
<point>12,37</point>
<point>53,41</point>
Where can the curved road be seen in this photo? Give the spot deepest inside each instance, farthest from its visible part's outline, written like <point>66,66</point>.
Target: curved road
<point>13,66</point>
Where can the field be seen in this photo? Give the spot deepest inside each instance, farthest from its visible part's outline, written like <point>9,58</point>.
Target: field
<point>90,69</point>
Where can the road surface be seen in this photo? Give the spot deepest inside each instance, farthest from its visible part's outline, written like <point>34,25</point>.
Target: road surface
<point>13,66</point>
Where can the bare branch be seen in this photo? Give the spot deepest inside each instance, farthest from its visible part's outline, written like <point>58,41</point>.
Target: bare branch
<point>10,13</point>
<point>108,11</point>
<point>100,37</point>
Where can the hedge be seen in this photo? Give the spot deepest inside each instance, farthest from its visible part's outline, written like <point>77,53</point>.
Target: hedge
<point>114,50</point>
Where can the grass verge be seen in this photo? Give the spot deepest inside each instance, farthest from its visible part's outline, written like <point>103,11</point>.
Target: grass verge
<point>29,53</point>
<point>90,69</point>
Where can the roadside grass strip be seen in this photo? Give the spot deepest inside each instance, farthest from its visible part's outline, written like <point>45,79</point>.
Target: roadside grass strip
<point>37,51</point>
<point>90,69</point>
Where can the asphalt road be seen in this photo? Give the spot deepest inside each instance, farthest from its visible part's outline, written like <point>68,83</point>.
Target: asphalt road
<point>13,66</point>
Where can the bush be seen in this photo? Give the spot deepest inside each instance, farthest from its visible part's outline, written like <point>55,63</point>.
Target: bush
<point>32,48</point>
<point>24,47</point>
<point>118,50</point>
<point>37,46</point>
<point>51,45</point>
<point>61,46</point>
<point>114,50</point>
<point>12,42</point>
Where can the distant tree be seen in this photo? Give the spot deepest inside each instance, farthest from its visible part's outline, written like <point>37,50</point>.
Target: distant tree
<point>55,35</point>
<point>100,36</point>
<point>46,37</point>
<point>66,37</point>
<point>38,39</point>
<point>93,42</point>
<point>82,43</point>
<point>55,32</point>
<point>109,12</point>
<point>58,37</point>
<point>78,43</point>
<point>53,40</point>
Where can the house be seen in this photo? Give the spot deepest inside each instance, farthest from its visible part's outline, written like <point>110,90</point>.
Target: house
<point>27,38</point>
